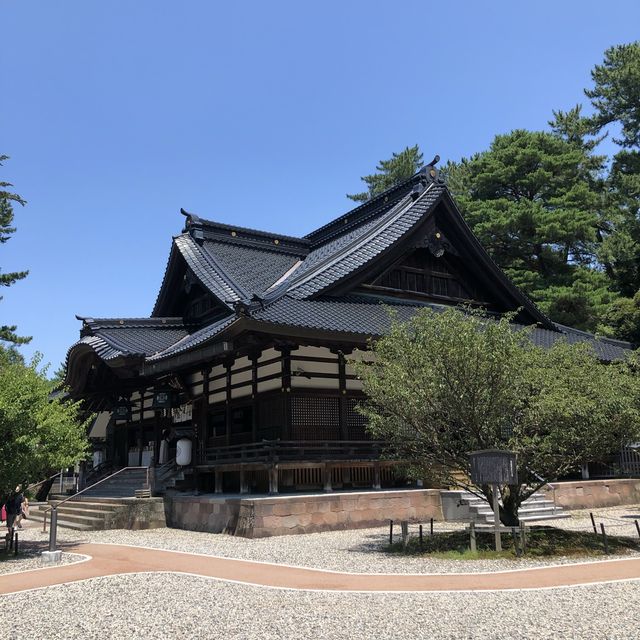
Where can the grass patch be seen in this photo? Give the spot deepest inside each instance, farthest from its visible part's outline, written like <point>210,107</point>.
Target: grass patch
<point>541,542</point>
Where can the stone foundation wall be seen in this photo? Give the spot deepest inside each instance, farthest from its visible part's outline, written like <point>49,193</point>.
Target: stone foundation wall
<point>145,513</point>
<point>258,517</point>
<point>591,494</point>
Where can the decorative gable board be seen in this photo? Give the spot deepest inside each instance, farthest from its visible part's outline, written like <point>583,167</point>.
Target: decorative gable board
<point>441,261</point>
<point>432,273</point>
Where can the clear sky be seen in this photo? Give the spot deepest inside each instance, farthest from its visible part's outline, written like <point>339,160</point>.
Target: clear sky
<point>261,114</point>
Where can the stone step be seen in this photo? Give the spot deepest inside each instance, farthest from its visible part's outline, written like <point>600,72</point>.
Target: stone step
<point>525,508</point>
<point>102,505</point>
<point>76,509</point>
<point>89,522</point>
<point>552,516</point>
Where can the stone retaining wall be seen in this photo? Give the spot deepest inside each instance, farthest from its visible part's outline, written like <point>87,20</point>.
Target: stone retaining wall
<point>591,494</point>
<point>135,513</point>
<point>258,517</point>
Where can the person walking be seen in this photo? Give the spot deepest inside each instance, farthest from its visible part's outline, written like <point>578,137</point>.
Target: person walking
<point>23,513</point>
<point>14,508</point>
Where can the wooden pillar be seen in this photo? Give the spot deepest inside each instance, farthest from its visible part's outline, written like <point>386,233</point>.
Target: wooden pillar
<point>285,350</point>
<point>342,400</point>
<point>218,482</point>
<point>255,408</point>
<point>244,484</point>
<point>273,479</point>
<point>201,434</point>
<point>140,441</point>
<point>157,427</point>
<point>228,364</point>
<point>346,477</point>
<point>377,484</point>
<point>327,477</point>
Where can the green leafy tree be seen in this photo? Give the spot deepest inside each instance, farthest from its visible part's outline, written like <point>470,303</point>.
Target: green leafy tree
<point>7,200</point>
<point>37,434</point>
<point>400,167</point>
<point>448,383</point>
<point>535,202</point>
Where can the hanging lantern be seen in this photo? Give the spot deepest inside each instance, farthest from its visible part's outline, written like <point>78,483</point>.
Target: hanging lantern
<point>122,410</point>
<point>164,398</point>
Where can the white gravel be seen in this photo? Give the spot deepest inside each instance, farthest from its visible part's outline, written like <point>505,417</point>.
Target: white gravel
<point>12,563</point>
<point>175,606</point>
<point>358,550</point>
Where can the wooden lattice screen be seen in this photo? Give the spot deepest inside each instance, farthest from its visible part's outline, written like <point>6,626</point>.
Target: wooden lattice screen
<point>356,422</point>
<point>315,418</point>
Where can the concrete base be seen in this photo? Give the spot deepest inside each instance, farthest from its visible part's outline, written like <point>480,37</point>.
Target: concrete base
<point>51,556</point>
<point>263,516</point>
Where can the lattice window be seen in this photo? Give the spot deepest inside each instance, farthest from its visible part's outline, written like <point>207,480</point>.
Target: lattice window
<point>356,422</point>
<point>315,418</point>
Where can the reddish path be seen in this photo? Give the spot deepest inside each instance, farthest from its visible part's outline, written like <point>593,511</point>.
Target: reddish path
<point>116,559</point>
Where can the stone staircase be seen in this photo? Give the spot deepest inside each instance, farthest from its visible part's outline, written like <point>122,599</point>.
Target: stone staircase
<point>98,507</point>
<point>120,485</point>
<point>82,514</point>
<point>464,506</point>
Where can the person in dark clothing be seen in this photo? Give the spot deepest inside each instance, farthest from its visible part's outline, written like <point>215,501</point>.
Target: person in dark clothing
<point>14,508</point>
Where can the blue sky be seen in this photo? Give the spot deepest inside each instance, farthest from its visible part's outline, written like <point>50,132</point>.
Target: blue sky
<point>262,114</point>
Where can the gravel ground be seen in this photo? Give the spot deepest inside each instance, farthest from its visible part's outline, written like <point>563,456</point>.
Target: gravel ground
<point>354,551</point>
<point>33,561</point>
<point>31,543</point>
<point>175,606</point>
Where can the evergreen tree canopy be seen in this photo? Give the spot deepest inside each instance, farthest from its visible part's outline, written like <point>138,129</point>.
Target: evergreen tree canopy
<point>535,202</point>
<point>616,92</point>
<point>7,199</point>
<point>400,167</point>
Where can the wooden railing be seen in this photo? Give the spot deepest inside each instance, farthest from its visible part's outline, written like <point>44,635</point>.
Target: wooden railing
<point>271,451</point>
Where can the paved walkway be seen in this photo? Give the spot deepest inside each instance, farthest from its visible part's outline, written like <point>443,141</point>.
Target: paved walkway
<point>107,559</point>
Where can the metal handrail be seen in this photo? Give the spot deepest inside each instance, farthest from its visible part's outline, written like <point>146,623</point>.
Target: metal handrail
<point>31,486</point>
<point>54,507</point>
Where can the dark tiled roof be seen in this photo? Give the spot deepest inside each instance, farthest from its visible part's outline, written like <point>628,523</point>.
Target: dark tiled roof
<point>365,315</point>
<point>379,236</point>
<point>112,337</point>
<point>255,270</point>
<point>372,208</point>
<point>235,263</point>
<point>205,267</point>
<point>194,340</point>
<point>217,231</point>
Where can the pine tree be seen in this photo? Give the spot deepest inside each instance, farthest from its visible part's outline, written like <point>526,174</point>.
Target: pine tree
<point>400,167</point>
<point>535,202</point>
<point>7,200</point>
<point>616,92</point>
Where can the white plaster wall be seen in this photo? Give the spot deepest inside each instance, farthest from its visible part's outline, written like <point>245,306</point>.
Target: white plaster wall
<point>298,382</point>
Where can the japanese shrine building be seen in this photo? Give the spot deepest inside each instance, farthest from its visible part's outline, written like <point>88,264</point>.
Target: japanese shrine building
<point>247,350</point>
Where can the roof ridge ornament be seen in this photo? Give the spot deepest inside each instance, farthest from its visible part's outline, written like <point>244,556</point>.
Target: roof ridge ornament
<point>193,226</point>
<point>430,172</point>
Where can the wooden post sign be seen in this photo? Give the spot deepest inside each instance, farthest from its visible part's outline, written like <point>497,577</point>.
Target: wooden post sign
<point>494,467</point>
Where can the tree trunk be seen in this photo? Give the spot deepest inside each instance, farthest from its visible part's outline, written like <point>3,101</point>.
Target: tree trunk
<point>509,510</point>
